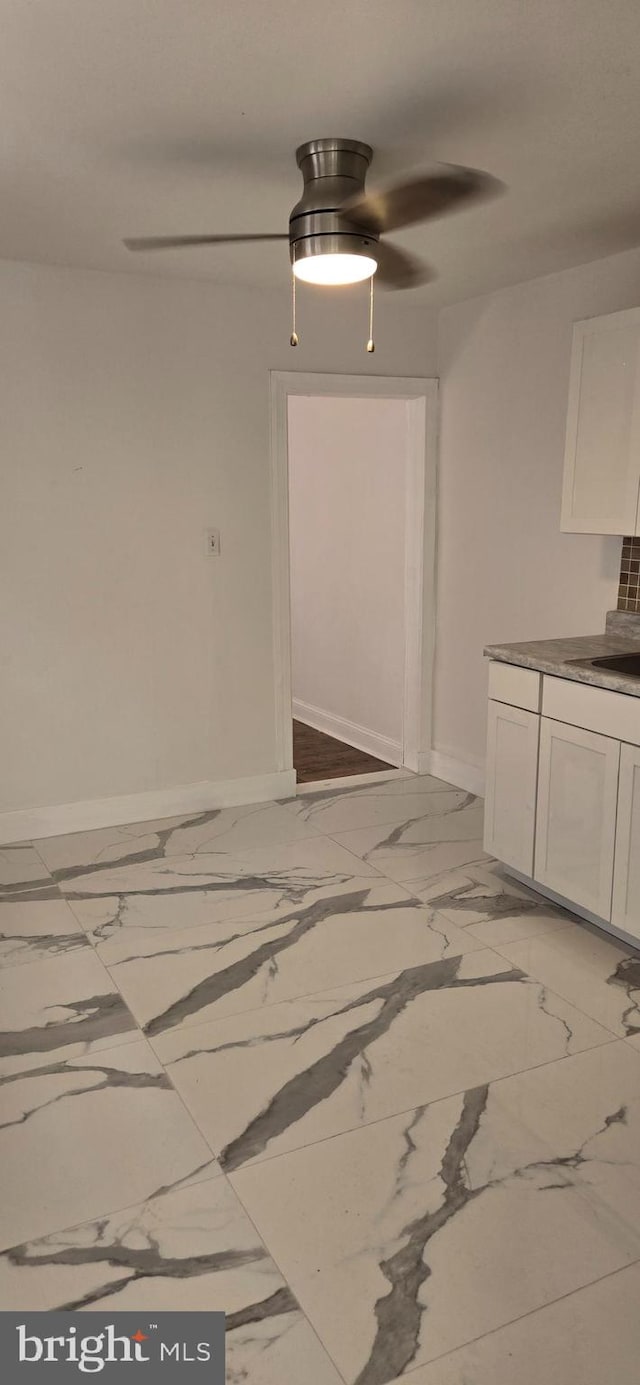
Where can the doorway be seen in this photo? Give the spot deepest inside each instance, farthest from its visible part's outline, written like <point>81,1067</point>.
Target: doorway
<point>318,756</point>
<point>353,472</point>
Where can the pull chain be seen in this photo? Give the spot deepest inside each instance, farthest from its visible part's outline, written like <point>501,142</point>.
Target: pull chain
<point>293,339</point>
<point>371,344</point>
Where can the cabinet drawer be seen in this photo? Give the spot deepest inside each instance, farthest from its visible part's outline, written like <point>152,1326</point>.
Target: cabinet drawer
<point>519,687</point>
<point>594,709</point>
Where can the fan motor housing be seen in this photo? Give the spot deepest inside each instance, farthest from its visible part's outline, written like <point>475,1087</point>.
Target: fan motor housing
<point>333,170</point>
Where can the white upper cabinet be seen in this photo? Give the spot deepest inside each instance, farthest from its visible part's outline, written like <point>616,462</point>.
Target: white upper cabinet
<point>601,488</point>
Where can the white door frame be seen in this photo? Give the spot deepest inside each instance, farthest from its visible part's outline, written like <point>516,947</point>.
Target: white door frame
<point>420,546</point>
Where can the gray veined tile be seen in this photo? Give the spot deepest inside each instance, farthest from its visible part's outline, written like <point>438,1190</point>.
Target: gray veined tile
<point>54,1009</point>
<point>23,877</point>
<point>188,891</point>
<point>493,907</point>
<point>590,1337</point>
<point>410,1238</point>
<point>586,1112</point>
<point>287,1075</point>
<point>443,865</point>
<point>191,1249</point>
<point>183,1243</point>
<point>396,801</point>
<point>217,829</point>
<point>86,1135</point>
<point>31,930</point>
<point>599,975</point>
<point>185,976</point>
<point>20,865</point>
<point>270,1342</point>
<point>421,848</point>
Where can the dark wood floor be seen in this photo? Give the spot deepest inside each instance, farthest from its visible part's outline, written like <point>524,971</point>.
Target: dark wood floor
<point>317,756</point>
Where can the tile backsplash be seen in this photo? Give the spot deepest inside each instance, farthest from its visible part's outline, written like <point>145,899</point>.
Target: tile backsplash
<point>629,593</point>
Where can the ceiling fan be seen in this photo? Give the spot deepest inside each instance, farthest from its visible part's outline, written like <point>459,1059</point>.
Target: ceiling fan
<point>335,229</point>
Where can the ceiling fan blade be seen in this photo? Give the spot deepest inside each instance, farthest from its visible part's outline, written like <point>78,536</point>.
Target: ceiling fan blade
<point>432,195</point>
<point>176,242</point>
<point>398,270</point>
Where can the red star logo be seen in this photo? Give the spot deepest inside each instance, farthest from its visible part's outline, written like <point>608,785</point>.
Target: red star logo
<point>139,1336</point>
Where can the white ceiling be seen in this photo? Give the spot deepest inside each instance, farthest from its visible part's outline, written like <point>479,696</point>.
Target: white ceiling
<point>135,117</point>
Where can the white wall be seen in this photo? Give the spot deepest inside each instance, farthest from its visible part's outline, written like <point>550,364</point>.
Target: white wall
<point>347,489</point>
<point>505,572</point>
<point>133,415</point>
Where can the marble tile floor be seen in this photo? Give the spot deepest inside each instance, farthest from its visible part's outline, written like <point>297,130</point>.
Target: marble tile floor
<point>322,1065</point>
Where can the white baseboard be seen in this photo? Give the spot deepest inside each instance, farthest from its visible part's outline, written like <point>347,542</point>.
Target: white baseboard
<point>348,731</point>
<point>459,772</point>
<point>28,824</point>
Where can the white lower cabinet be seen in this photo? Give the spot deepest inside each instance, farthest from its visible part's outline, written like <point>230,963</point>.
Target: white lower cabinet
<point>576,817</point>
<point>512,768</point>
<point>626,880</point>
<point>563,791</point>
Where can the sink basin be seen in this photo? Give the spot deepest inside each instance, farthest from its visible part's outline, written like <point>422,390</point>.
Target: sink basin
<point>620,663</point>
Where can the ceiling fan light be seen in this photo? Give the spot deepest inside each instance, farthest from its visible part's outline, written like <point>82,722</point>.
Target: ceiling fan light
<point>335,267</point>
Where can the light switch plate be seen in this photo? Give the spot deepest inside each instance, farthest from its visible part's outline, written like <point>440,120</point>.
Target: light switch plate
<point>213,543</point>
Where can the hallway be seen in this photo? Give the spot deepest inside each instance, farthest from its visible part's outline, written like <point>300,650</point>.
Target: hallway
<point>317,756</point>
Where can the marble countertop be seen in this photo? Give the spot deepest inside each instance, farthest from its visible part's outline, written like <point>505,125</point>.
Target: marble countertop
<point>558,657</point>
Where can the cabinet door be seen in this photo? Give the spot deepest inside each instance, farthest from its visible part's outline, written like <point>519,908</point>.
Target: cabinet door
<point>626,877</point>
<point>576,820</point>
<point>512,768</point>
<point>602,454</point>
